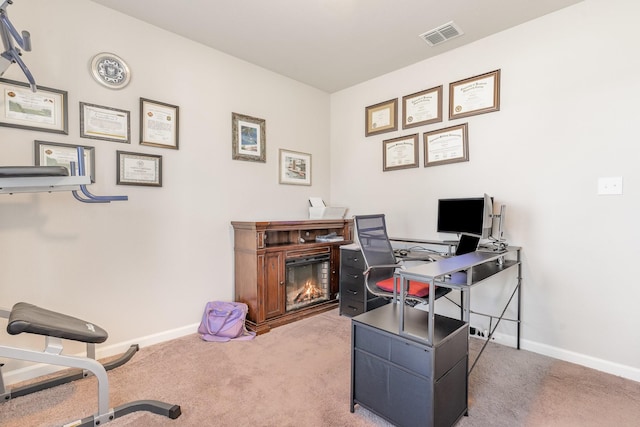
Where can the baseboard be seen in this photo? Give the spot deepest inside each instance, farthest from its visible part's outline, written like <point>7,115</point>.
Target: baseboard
<point>612,368</point>
<point>40,369</point>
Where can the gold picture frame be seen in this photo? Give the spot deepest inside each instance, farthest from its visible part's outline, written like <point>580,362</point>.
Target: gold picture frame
<point>422,108</point>
<point>475,95</point>
<point>447,145</point>
<point>400,153</point>
<point>381,117</point>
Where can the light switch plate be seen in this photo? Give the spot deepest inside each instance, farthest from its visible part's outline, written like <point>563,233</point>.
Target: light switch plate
<point>610,185</point>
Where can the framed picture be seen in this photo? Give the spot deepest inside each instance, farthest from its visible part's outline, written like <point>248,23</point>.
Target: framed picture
<point>248,140</point>
<point>381,118</point>
<point>158,124</point>
<point>422,108</point>
<point>448,145</point>
<point>106,123</point>
<point>295,168</point>
<point>400,153</point>
<point>139,169</point>
<point>56,154</point>
<point>475,95</point>
<point>45,110</point>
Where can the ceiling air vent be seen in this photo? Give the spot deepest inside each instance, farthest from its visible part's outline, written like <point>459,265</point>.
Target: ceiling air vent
<point>441,34</point>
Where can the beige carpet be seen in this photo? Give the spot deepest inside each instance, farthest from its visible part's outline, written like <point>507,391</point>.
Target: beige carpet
<point>298,375</point>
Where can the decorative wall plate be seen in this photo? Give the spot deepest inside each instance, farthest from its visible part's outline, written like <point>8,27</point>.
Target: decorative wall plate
<point>110,70</point>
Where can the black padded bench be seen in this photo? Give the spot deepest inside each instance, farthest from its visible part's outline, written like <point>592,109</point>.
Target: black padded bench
<point>28,318</point>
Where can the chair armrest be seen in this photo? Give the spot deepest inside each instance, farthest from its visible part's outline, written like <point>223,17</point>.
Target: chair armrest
<point>373,267</point>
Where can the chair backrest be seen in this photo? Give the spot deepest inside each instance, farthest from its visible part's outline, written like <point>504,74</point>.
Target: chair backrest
<point>374,244</point>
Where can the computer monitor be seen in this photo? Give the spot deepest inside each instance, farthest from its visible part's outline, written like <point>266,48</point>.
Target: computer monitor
<point>472,215</point>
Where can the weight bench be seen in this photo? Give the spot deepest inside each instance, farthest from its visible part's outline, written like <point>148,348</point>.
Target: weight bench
<point>54,326</point>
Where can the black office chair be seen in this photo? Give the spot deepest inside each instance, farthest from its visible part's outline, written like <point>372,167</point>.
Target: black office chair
<point>380,277</point>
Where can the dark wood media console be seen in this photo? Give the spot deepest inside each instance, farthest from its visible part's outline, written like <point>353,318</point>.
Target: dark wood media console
<point>264,250</point>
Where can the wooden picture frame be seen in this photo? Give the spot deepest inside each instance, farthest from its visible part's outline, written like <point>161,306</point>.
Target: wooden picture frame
<point>400,153</point>
<point>448,145</point>
<point>294,167</point>
<point>422,108</point>
<point>105,123</point>
<point>159,124</point>
<point>248,138</point>
<point>475,95</point>
<point>381,117</point>
<point>45,110</point>
<point>138,169</point>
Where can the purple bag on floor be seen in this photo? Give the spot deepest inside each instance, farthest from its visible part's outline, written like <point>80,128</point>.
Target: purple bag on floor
<point>224,321</point>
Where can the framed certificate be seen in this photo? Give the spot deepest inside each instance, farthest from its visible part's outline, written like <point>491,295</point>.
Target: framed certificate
<point>139,169</point>
<point>109,124</point>
<point>400,153</point>
<point>158,124</point>
<point>56,154</point>
<point>381,118</point>
<point>448,145</point>
<point>475,95</point>
<point>44,110</point>
<point>422,108</point>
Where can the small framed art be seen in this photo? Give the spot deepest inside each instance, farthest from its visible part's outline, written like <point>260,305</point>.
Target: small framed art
<point>448,145</point>
<point>139,169</point>
<point>248,138</point>
<point>295,168</point>
<point>381,118</point>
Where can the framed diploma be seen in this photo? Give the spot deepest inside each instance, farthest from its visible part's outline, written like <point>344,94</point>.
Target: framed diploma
<point>44,110</point>
<point>158,124</point>
<point>139,169</point>
<point>422,108</point>
<point>109,124</point>
<point>381,118</point>
<point>248,139</point>
<point>475,95</point>
<point>448,145</point>
<point>56,154</point>
<point>400,153</point>
<point>295,168</point>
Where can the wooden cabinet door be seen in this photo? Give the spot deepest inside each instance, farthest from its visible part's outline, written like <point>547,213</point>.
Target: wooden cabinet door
<point>274,289</point>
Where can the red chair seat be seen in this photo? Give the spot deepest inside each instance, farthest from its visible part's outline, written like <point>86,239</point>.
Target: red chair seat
<point>416,289</point>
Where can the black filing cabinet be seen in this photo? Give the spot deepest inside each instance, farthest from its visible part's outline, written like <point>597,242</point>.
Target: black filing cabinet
<point>404,380</point>
<point>354,297</point>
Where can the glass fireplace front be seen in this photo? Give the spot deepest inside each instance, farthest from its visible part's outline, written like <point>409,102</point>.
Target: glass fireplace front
<point>307,281</point>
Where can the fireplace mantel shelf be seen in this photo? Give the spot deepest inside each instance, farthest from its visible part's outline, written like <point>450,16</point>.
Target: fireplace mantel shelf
<point>261,252</point>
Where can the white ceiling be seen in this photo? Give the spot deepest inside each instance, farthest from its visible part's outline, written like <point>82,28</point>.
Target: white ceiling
<point>332,44</point>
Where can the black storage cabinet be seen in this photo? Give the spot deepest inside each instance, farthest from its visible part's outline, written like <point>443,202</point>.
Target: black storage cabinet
<point>403,380</point>
<point>354,297</point>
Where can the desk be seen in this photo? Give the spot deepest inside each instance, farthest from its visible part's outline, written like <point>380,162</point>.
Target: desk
<point>465,271</point>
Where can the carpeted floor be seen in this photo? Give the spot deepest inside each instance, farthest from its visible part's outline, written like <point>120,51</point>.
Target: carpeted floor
<point>299,375</point>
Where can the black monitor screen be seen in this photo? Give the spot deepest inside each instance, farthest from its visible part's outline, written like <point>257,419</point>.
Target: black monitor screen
<point>461,215</point>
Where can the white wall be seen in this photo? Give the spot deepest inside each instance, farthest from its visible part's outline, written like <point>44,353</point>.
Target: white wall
<point>569,108</point>
<point>144,269</point>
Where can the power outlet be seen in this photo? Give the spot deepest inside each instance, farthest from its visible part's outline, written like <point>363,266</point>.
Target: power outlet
<point>477,332</point>
<point>610,185</point>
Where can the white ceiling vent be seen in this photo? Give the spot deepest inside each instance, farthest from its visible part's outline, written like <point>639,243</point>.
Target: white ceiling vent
<point>441,34</point>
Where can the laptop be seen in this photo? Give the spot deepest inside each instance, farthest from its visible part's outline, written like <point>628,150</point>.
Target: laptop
<point>467,243</point>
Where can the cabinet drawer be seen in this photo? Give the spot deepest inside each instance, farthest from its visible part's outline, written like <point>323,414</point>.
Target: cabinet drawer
<point>352,258</point>
<point>351,306</point>
<point>352,274</point>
